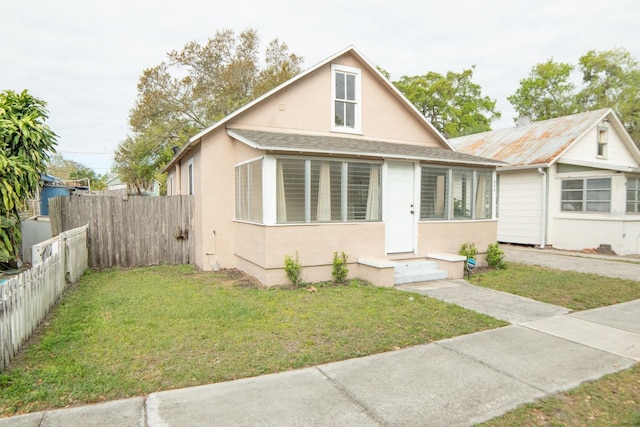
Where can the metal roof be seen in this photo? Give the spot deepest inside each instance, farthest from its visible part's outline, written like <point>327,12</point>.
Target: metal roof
<point>334,145</point>
<point>537,143</point>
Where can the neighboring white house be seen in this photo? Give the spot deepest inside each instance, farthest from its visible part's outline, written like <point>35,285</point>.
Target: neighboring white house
<point>572,182</point>
<point>115,183</point>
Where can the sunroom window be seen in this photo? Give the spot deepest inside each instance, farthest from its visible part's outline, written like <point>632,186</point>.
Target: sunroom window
<point>327,191</point>
<point>249,191</point>
<point>447,193</point>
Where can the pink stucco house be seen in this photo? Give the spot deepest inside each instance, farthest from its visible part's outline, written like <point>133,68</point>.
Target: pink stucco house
<point>335,159</point>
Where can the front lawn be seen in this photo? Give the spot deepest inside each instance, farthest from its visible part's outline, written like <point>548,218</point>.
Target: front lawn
<point>577,291</point>
<point>121,333</point>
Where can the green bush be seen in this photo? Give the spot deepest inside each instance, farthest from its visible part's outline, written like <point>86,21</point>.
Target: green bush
<point>495,256</point>
<point>339,268</point>
<point>469,250</point>
<point>293,268</point>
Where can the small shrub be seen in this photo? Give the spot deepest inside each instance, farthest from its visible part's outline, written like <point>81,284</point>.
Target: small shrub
<point>469,250</point>
<point>495,256</point>
<point>293,268</point>
<point>339,268</point>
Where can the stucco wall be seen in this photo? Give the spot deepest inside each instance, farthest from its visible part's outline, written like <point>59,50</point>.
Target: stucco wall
<point>261,249</point>
<point>447,236</point>
<point>305,107</point>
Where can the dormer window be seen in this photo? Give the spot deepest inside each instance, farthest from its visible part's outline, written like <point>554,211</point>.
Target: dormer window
<point>346,99</point>
<point>602,142</point>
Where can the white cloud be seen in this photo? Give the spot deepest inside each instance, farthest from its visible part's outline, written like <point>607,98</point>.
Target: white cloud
<point>85,58</point>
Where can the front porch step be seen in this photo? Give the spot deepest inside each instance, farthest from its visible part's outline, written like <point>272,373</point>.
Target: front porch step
<point>412,271</point>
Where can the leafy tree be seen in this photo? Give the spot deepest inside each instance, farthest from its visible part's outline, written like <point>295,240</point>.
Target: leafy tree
<point>451,102</point>
<point>194,88</point>
<point>67,169</point>
<point>612,79</point>
<point>25,144</point>
<point>546,93</point>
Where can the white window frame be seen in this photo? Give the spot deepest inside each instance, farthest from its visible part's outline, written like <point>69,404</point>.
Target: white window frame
<point>635,201</point>
<point>357,128</point>
<point>603,142</point>
<point>191,177</point>
<point>251,208</point>
<point>449,214</point>
<point>307,197</point>
<point>584,201</point>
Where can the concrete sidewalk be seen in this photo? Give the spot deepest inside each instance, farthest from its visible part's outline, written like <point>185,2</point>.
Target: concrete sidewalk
<point>454,382</point>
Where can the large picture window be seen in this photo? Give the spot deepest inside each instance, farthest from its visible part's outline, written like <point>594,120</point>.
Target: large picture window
<point>633,195</point>
<point>460,194</point>
<point>327,191</point>
<point>586,195</point>
<point>249,191</point>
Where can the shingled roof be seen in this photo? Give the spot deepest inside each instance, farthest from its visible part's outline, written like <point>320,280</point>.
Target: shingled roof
<point>333,145</point>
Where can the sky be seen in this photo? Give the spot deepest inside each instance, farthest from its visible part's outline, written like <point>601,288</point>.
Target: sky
<point>85,57</point>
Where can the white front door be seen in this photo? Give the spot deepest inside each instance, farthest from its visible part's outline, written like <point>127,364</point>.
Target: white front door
<point>400,219</point>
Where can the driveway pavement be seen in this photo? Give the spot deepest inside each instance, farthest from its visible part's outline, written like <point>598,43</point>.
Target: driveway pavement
<point>604,265</point>
<point>454,382</point>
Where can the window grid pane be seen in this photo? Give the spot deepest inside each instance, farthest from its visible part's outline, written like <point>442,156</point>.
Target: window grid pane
<point>433,193</point>
<point>633,195</point>
<point>483,195</point>
<point>462,187</point>
<point>292,181</point>
<point>586,195</point>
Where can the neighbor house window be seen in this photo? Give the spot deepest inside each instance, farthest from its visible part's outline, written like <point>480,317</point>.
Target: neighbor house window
<point>633,195</point>
<point>586,195</point>
<point>249,191</point>
<point>346,98</point>
<point>602,142</point>
<point>447,193</point>
<point>327,191</point>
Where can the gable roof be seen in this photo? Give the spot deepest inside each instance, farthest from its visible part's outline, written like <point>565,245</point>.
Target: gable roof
<point>331,145</point>
<point>540,144</point>
<point>194,140</point>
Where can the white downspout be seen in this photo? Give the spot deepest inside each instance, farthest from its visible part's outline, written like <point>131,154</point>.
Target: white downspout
<point>543,217</point>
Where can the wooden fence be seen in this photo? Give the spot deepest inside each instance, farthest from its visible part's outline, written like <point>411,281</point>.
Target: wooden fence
<point>26,299</point>
<point>129,231</point>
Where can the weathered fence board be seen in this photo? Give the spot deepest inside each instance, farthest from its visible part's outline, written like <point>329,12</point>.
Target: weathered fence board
<point>129,231</point>
<point>26,299</point>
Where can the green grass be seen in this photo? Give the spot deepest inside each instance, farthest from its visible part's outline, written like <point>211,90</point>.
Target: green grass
<point>577,291</point>
<point>613,400</point>
<point>121,333</point>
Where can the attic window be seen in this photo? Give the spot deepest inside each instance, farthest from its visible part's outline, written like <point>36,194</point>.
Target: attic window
<point>602,142</point>
<point>346,108</point>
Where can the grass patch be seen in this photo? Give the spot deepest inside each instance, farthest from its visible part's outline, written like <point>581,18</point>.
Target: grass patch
<point>611,400</point>
<point>577,291</point>
<point>121,333</point>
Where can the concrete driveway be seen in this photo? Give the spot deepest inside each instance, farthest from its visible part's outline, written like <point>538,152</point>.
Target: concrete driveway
<point>604,265</point>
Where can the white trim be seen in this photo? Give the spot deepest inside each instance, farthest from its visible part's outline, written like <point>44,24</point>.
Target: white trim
<point>248,161</point>
<point>191,177</point>
<point>357,127</point>
<point>269,207</point>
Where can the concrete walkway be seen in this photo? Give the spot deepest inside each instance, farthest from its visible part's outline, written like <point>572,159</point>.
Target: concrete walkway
<point>454,382</point>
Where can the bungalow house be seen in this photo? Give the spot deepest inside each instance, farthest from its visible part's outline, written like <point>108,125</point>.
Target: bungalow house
<point>571,183</point>
<point>335,159</point>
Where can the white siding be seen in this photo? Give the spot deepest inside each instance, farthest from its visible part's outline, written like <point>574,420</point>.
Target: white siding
<point>585,150</point>
<point>520,207</point>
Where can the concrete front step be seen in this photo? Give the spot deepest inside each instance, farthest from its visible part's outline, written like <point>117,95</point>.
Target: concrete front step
<point>417,271</point>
